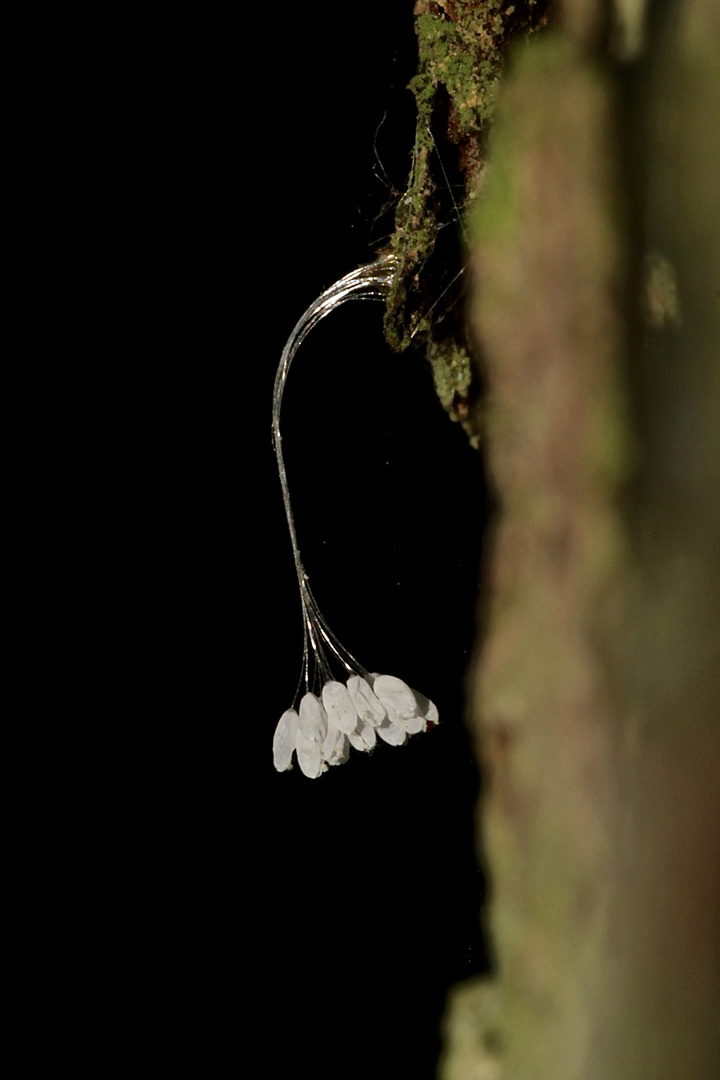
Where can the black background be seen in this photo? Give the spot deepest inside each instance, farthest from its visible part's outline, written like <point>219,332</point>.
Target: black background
<point>316,923</point>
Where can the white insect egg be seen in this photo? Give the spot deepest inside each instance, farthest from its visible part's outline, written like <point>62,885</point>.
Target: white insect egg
<point>396,696</point>
<point>367,704</point>
<point>368,736</point>
<point>363,738</point>
<point>313,721</point>
<point>356,741</point>
<point>335,747</point>
<point>310,756</point>
<point>413,724</point>
<point>339,707</point>
<point>392,733</point>
<point>284,740</point>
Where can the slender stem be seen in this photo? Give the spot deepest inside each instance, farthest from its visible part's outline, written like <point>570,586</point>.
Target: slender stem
<point>370,282</point>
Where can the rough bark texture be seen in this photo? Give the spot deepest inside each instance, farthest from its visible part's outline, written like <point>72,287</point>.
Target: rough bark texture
<point>462,46</point>
<point>596,699</point>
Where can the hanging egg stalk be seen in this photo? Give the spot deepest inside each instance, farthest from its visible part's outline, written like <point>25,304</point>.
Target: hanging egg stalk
<point>334,716</point>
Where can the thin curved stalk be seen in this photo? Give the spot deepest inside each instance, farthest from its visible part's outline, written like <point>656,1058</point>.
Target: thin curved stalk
<point>370,282</point>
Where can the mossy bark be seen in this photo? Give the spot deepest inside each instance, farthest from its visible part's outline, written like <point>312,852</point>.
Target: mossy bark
<point>596,692</point>
<point>462,46</point>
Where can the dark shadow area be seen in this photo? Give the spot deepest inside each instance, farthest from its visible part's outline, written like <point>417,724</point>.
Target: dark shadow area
<point>315,923</point>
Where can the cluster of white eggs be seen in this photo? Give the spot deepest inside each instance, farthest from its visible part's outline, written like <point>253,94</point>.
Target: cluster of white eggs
<point>323,729</point>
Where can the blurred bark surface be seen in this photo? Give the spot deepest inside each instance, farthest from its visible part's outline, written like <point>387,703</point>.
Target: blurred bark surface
<point>596,694</point>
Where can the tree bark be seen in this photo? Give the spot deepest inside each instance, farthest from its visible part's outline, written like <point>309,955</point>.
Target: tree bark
<point>596,693</point>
